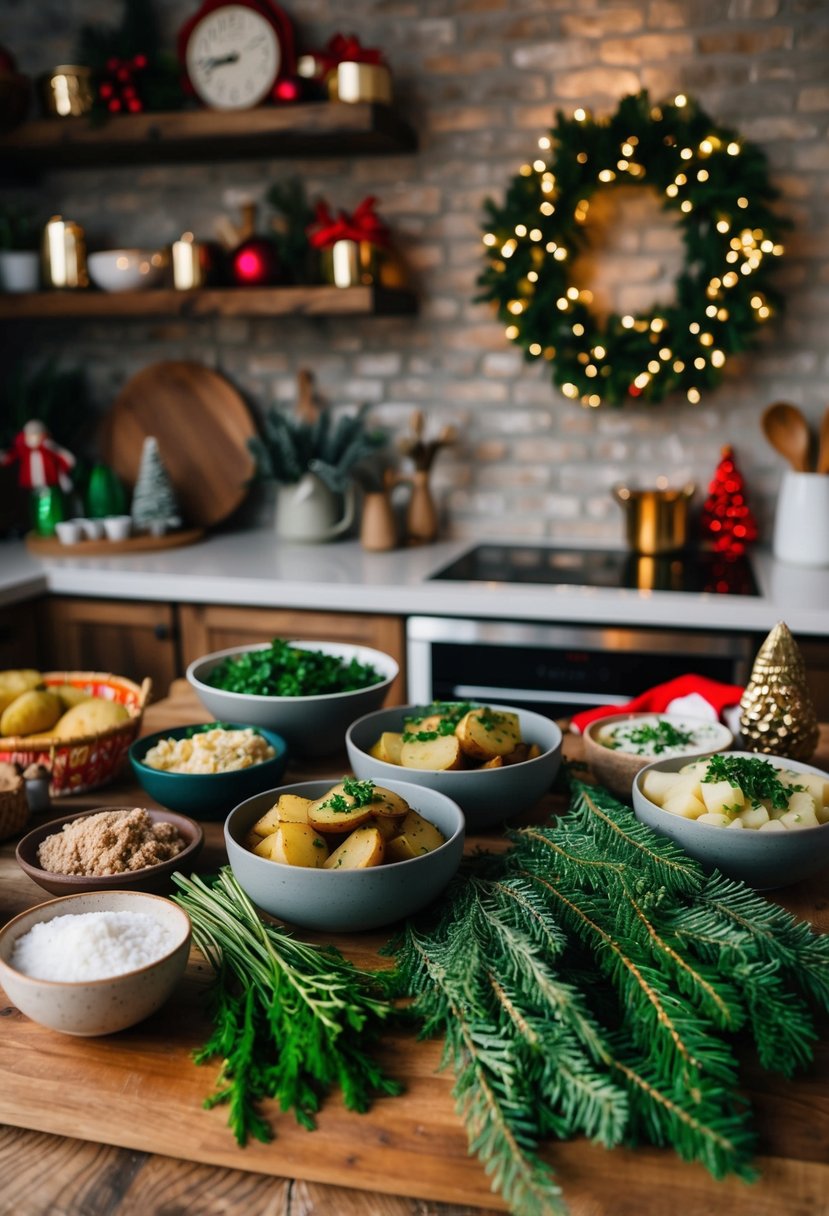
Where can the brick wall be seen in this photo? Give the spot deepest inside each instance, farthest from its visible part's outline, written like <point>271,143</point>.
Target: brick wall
<point>481,80</point>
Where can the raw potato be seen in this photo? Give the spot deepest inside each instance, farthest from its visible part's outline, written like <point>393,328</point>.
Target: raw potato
<point>31,713</point>
<point>20,679</point>
<point>69,694</point>
<point>484,733</point>
<point>90,718</point>
<point>362,848</point>
<point>441,754</point>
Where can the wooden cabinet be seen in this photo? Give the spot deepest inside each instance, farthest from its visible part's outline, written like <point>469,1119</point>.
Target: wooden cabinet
<point>208,627</point>
<point>128,638</point>
<point>815,653</point>
<point>19,641</point>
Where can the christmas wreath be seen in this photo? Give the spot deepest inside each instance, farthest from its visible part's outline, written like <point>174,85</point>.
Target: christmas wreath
<point>718,185</point>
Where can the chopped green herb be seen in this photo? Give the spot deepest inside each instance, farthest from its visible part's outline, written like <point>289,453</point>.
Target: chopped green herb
<point>284,670</point>
<point>361,793</point>
<point>449,714</point>
<point>758,779</point>
<point>659,738</point>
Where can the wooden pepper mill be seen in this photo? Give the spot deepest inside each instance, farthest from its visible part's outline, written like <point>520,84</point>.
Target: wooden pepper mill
<point>421,515</point>
<point>378,527</point>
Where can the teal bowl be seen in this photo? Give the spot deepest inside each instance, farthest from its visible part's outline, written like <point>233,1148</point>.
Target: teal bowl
<point>207,795</point>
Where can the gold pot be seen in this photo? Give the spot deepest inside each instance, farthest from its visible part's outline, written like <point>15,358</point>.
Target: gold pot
<point>354,82</point>
<point>656,520</point>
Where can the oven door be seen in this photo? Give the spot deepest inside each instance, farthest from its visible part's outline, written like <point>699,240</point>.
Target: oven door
<point>559,669</point>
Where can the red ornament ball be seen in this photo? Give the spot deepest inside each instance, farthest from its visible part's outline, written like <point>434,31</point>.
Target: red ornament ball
<point>288,89</point>
<point>255,263</point>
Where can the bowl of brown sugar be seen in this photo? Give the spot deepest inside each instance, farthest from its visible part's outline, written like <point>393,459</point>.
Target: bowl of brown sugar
<point>114,848</point>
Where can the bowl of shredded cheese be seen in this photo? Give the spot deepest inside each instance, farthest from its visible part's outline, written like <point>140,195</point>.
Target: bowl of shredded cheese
<point>205,769</point>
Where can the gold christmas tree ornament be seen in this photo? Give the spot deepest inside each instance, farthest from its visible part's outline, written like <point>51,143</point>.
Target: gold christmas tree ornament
<point>777,714</point>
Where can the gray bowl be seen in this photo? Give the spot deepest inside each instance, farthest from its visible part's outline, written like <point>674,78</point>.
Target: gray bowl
<point>762,860</point>
<point>311,726</point>
<point>345,901</point>
<point>486,796</point>
<point>96,1007</point>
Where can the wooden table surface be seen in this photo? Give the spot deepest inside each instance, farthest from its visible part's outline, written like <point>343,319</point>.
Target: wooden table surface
<point>59,1174</point>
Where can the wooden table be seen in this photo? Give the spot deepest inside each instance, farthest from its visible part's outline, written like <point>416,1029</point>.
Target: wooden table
<point>96,1127</point>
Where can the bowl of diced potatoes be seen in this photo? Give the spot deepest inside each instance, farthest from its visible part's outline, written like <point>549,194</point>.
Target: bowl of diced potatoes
<point>495,761</point>
<point>344,856</point>
<point>761,819</point>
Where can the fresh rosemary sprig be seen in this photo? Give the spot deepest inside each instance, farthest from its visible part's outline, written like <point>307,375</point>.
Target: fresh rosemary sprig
<point>664,967</point>
<point>289,1020</point>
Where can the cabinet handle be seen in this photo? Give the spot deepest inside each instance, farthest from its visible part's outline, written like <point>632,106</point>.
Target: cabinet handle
<point>163,633</point>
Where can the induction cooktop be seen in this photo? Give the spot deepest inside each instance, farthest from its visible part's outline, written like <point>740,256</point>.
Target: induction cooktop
<point>688,571</point>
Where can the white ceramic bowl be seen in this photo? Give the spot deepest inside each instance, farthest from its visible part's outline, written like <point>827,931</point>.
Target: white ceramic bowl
<point>126,269</point>
<point>486,796</point>
<point>763,860</point>
<point>311,726</point>
<point>615,768</point>
<point>345,901</point>
<point>97,1007</point>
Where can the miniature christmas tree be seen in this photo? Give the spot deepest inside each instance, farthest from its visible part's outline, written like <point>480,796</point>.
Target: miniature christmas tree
<point>726,517</point>
<point>154,505</point>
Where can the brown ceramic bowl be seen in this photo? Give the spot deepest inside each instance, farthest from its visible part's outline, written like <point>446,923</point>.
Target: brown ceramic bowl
<point>615,767</point>
<point>154,879</point>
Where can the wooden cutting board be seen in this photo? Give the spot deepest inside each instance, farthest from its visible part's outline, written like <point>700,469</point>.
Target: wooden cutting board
<point>202,425</point>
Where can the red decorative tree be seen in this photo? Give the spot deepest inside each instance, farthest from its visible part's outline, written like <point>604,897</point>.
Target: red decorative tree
<point>726,518</point>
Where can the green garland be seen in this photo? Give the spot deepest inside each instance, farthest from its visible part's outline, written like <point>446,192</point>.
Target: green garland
<point>718,185</point>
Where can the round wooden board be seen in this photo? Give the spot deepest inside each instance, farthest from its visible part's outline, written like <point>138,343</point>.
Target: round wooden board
<point>202,425</point>
<point>50,546</point>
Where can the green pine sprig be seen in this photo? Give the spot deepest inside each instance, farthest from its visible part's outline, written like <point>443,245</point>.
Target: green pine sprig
<point>290,1020</point>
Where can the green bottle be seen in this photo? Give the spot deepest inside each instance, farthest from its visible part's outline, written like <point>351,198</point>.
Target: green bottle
<point>48,507</point>
<point>105,495</point>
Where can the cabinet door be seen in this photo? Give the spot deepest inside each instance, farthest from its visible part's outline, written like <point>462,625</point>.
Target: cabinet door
<point>209,627</point>
<point>19,641</point>
<point>130,639</point>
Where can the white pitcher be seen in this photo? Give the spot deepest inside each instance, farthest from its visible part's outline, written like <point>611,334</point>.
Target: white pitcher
<point>309,511</point>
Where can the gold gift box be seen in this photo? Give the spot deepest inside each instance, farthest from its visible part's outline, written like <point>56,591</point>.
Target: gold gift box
<point>353,82</point>
<point>349,263</point>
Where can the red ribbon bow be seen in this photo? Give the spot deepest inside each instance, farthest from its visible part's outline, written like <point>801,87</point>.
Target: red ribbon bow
<point>362,225</point>
<point>347,48</point>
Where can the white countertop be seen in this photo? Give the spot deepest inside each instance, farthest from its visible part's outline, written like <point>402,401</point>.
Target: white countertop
<point>255,568</point>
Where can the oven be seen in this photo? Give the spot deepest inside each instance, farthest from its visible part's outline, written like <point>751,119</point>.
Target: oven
<point>560,668</point>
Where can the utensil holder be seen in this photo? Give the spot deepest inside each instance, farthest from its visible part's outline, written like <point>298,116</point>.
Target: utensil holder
<point>801,521</point>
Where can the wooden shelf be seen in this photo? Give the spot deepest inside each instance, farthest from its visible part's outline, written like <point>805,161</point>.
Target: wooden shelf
<point>306,129</point>
<point>322,301</point>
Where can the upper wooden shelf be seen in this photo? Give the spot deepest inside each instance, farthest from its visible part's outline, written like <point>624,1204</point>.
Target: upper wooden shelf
<point>322,301</point>
<point>325,128</point>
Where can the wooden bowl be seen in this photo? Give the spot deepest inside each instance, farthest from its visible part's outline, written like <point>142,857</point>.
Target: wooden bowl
<point>616,768</point>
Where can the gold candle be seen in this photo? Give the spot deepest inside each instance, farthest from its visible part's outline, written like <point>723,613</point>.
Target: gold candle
<point>68,91</point>
<point>64,254</point>
<point>188,268</point>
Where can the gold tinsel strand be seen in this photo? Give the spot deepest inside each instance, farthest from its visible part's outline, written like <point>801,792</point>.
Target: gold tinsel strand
<point>777,714</point>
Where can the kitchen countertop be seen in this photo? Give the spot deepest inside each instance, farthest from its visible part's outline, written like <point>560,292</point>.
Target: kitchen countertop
<point>253,567</point>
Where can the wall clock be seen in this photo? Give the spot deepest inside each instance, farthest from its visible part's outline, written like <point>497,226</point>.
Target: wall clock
<point>233,53</point>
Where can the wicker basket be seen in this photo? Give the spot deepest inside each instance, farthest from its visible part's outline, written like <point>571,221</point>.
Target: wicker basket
<point>88,761</point>
<point>14,805</point>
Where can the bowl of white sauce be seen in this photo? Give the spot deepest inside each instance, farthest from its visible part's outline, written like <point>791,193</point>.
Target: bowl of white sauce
<point>96,963</point>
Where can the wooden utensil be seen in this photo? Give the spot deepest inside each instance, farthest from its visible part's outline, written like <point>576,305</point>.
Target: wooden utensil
<point>787,431</point>
<point>202,425</point>
<point>823,445</point>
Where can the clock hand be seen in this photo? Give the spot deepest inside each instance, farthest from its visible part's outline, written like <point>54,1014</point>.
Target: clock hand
<point>218,61</point>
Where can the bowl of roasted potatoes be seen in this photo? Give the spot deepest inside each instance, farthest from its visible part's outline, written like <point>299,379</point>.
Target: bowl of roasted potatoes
<point>344,856</point>
<point>761,819</point>
<point>78,724</point>
<point>495,761</point>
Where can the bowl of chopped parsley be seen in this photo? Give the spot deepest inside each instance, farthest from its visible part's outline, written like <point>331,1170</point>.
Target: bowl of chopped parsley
<point>618,746</point>
<point>308,692</point>
<point>761,819</point>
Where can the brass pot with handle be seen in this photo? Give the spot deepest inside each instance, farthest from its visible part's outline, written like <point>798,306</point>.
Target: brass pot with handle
<point>656,520</point>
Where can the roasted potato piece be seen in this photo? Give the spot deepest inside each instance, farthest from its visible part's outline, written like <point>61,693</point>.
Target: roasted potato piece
<point>484,733</point>
<point>294,844</point>
<point>387,747</point>
<point>31,712</point>
<point>401,848</point>
<point>496,762</point>
<point>421,834</point>
<point>439,754</point>
<point>387,826</point>
<point>387,805</point>
<point>266,824</point>
<point>337,811</point>
<point>362,848</point>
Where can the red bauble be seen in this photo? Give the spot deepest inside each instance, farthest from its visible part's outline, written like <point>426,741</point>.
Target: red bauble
<point>255,263</point>
<point>288,89</point>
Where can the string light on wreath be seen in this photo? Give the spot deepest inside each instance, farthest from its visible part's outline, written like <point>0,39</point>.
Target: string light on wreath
<point>717,185</point>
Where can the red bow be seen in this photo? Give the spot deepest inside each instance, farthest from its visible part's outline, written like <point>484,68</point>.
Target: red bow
<point>346,48</point>
<point>362,225</point>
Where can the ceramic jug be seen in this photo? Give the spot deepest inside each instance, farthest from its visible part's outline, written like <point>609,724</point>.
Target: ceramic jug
<point>309,511</point>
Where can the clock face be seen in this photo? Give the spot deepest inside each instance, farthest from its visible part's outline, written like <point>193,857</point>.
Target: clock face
<point>233,57</point>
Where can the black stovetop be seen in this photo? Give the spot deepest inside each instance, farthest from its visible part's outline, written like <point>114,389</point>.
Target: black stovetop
<point>688,571</point>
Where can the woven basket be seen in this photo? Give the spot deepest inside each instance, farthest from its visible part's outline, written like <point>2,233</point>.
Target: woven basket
<point>88,761</point>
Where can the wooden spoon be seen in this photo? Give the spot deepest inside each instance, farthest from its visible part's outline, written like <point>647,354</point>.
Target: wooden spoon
<point>823,449</point>
<point>787,431</point>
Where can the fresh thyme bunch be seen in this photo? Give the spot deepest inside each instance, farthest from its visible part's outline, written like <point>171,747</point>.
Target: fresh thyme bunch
<point>290,1020</point>
<point>664,966</point>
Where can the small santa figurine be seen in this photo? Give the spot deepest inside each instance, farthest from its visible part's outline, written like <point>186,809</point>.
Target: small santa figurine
<point>41,462</point>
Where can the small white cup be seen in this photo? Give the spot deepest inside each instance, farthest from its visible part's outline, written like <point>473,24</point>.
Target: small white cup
<point>69,531</point>
<point>117,527</point>
<point>801,522</point>
<point>91,529</point>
